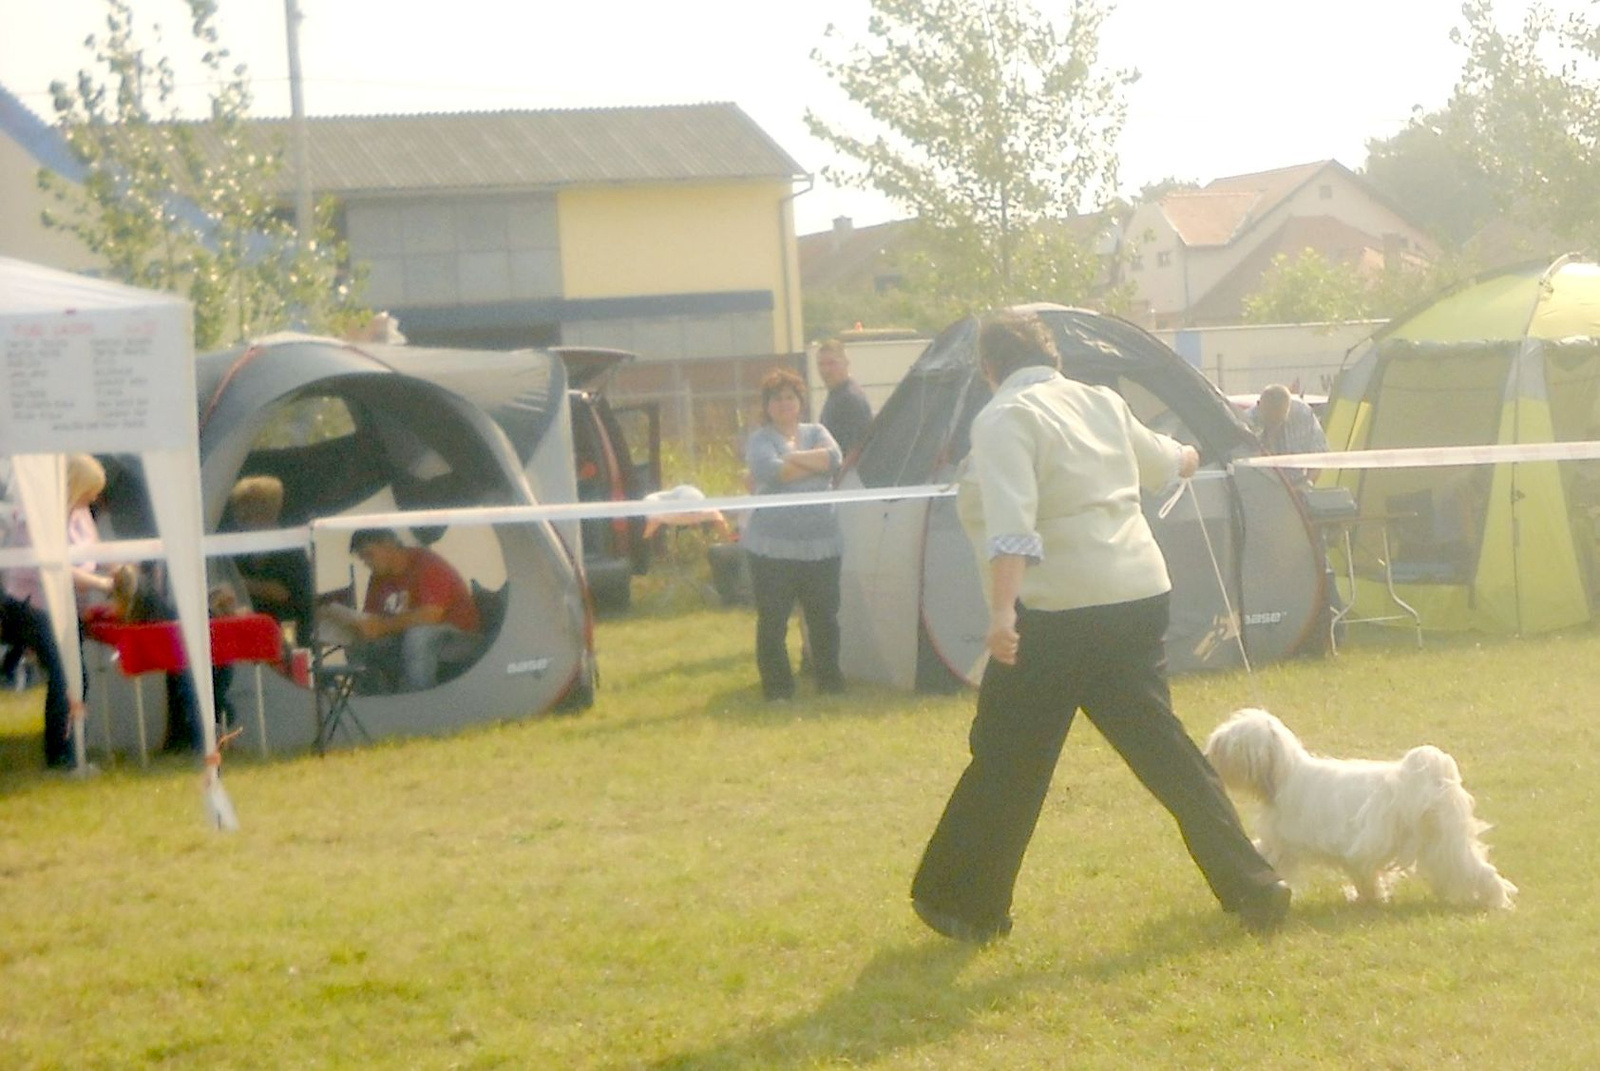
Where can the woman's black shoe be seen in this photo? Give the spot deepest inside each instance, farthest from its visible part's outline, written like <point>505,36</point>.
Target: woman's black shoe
<point>1267,910</point>
<point>958,929</point>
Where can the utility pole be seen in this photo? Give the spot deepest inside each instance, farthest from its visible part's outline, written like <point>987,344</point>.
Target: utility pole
<point>304,220</point>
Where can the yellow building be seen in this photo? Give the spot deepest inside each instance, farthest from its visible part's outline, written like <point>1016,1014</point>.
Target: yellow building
<point>667,231</point>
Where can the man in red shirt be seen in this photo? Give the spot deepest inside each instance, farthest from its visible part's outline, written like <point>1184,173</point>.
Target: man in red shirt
<point>418,610</point>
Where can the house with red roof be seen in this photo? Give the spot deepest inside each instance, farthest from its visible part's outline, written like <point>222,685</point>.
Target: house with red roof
<point>1195,255</point>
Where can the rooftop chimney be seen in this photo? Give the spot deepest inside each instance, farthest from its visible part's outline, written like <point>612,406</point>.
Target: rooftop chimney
<point>843,228</point>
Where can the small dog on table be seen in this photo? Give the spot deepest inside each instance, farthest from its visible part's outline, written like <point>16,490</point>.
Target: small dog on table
<point>1375,821</point>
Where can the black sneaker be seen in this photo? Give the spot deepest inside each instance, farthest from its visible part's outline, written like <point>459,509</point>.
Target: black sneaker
<point>1266,911</point>
<point>958,929</point>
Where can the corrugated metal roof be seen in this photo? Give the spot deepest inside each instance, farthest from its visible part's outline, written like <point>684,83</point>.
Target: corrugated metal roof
<point>520,149</point>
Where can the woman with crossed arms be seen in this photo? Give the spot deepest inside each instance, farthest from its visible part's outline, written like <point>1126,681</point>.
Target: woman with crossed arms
<point>794,551</point>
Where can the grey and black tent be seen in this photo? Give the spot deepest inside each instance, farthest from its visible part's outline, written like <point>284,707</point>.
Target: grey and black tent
<point>353,429</point>
<point>913,612</point>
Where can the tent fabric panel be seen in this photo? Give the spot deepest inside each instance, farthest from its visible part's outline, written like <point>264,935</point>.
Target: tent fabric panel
<point>523,391</point>
<point>33,288</point>
<point>952,595</point>
<point>1548,591</point>
<point>1347,406</point>
<point>1572,382</point>
<point>1442,607</point>
<point>1572,305</point>
<point>1496,308</point>
<point>1282,568</point>
<point>40,484</point>
<point>879,591</point>
<point>1199,635</point>
<point>1439,395</point>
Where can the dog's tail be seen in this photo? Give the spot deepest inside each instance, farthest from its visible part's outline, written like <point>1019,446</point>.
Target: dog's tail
<point>1449,854</point>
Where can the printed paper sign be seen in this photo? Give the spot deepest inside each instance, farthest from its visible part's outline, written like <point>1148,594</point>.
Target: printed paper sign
<point>100,381</point>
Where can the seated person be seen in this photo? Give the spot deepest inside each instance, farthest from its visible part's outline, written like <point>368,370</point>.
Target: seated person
<point>278,582</point>
<point>418,611</point>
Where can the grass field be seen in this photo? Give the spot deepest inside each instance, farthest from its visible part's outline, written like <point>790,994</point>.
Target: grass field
<point>684,877</point>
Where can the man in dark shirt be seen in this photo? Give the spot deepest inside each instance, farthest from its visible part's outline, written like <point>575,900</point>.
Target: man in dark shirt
<point>847,413</point>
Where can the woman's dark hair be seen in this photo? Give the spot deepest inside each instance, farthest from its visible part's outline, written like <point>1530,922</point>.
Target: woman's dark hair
<point>1008,341</point>
<point>366,537</point>
<point>776,382</point>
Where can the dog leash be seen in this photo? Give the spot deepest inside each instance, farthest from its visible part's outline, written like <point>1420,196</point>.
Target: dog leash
<point>1234,625</point>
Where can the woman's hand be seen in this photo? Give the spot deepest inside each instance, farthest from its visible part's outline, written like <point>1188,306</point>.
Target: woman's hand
<point>1002,637</point>
<point>1189,462</point>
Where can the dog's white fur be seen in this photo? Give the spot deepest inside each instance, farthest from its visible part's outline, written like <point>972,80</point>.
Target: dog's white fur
<point>1376,821</point>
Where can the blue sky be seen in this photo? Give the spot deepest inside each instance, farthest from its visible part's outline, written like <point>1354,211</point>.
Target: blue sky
<point>1226,87</point>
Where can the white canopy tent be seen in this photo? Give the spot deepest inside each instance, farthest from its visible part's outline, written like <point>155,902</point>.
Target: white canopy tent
<point>97,367</point>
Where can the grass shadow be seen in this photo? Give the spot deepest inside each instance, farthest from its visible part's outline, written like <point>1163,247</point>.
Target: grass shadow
<point>911,995</point>
<point>889,1006</point>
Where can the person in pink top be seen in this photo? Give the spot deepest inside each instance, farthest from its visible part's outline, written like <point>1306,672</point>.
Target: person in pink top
<point>417,613</point>
<point>24,620</point>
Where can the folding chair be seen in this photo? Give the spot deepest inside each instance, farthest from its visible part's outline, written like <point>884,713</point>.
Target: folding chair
<point>336,690</point>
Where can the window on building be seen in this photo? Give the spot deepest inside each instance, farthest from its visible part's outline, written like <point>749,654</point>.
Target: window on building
<point>439,251</point>
<point>1164,259</point>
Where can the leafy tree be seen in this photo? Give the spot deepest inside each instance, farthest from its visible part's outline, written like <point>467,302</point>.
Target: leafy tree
<point>828,312</point>
<point>187,206</point>
<point>1434,178</point>
<point>1527,108</point>
<point>1309,288</point>
<point>1154,191</point>
<point>991,123</point>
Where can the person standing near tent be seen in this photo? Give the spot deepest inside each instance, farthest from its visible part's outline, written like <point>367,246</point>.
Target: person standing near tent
<point>846,413</point>
<point>25,622</point>
<point>1286,425</point>
<point>1078,593</point>
<point>417,613</point>
<point>794,551</point>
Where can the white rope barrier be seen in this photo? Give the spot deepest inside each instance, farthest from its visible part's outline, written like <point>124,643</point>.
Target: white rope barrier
<point>231,544</point>
<point>1423,457</point>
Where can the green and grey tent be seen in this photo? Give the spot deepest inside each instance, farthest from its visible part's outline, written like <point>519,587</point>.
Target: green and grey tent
<point>1512,357</point>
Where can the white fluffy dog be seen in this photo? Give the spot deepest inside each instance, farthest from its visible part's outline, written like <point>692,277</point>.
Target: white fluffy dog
<point>1376,821</point>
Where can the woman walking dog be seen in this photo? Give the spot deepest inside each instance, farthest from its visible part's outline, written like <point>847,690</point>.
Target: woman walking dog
<point>1078,604</point>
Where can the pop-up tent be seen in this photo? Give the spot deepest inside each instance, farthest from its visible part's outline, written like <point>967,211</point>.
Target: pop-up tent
<point>1512,357</point>
<point>97,367</point>
<point>912,606</point>
<point>350,433</point>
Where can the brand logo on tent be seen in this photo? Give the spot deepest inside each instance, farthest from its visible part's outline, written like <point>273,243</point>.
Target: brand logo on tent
<point>535,666</point>
<point>1271,617</point>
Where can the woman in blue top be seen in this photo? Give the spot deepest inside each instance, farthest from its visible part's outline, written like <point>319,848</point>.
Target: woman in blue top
<point>794,550</point>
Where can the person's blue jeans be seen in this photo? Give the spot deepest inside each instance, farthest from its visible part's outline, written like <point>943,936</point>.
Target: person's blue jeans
<point>412,657</point>
<point>26,626</point>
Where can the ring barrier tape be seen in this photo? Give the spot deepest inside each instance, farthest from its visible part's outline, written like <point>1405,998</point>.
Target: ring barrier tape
<point>1424,457</point>
<point>234,543</point>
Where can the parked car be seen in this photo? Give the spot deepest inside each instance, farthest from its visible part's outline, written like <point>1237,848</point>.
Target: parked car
<point>617,451</point>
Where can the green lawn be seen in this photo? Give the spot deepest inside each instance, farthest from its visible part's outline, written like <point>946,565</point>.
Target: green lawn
<point>684,877</point>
